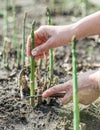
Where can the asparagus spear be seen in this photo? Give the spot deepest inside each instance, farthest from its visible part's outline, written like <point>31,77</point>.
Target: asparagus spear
<point>50,51</point>
<point>23,40</point>
<point>75,86</point>
<point>32,67</point>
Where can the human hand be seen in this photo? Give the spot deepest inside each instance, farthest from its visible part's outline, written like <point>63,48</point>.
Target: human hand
<point>89,89</point>
<point>47,37</point>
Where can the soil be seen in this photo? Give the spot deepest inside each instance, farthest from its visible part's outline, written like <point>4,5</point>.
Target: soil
<point>16,113</point>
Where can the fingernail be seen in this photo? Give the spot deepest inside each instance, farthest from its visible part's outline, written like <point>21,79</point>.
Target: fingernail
<point>34,52</point>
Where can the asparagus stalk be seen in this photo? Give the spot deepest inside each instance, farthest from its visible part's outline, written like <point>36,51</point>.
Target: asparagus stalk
<point>18,55</point>
<point>84,4</point>
<point>32,67</point>
<point>75,86</point>
<point>5,29</point>
<point>51,60</point>
<point>52,3</point>
<point>23,40</point>
<point>15,33</point>
<point>5,17</point>
<point>4,55</point>
<point>14,23</point>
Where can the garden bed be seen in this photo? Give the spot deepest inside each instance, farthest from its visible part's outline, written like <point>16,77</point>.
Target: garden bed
<point>16,113</point>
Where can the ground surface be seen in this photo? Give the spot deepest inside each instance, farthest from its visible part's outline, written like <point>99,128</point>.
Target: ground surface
<point>17,114</point>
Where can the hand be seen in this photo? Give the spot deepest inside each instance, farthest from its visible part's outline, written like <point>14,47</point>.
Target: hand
<point>47,37</point>
<point>89,88</point>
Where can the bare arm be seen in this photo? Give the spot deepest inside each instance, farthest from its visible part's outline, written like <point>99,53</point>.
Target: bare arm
<point>47,37</point>
<point>89,25</point>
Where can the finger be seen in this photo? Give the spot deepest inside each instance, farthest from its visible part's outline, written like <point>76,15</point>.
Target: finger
<point>37,41</point>
<point>43,47</point>
<point>41,56</point>
<point>56,89</point>
<point>28,46</point>
<point>38,37</point>
<point>66,99</point>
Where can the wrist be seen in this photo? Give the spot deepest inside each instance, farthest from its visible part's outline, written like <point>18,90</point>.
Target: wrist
<point>68,32</point>
<point>73,30</point>
<point>78,30</point>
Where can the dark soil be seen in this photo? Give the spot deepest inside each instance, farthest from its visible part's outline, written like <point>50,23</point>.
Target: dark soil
<point>17,114</point>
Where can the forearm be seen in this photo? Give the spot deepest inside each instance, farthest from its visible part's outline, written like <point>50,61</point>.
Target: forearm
<point>87,26</point>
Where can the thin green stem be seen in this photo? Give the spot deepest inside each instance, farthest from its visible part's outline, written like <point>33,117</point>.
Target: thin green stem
<point>23,41</point>
<point>5,17</point>
<point>52,3</point>
<point>18,55</point>
<point>75,86</point>
<point>84,5</point>
<point>14,23</point>
<point>51,58</point>
<point>51,64</point>
<point>32,67</point>
<point>4,55</point>
<point>5,30</point>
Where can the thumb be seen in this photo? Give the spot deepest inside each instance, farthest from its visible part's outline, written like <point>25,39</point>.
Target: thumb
<point>66,99</point>
<point>42,48</point>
